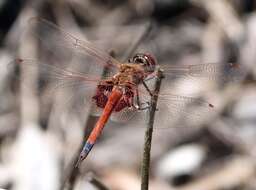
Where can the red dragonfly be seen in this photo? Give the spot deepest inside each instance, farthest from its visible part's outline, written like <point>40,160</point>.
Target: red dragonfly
<point>123,93</point>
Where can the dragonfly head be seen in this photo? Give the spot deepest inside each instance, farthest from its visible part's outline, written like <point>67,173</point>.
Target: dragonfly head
<point>146,60</point>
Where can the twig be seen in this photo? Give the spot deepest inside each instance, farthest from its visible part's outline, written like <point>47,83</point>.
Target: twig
<point>98,184</point>
<point>148,134</point>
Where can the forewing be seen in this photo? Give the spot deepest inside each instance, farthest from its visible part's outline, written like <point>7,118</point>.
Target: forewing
<point>53,80</point>
<point>228,72</point>
<point>66,48</point>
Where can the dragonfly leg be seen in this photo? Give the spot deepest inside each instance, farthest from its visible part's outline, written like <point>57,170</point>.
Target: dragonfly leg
<point>147,88</point>
<point>139,105</point>
<point>149,91</point>
<point>149,78</point>
<point>144,105</point>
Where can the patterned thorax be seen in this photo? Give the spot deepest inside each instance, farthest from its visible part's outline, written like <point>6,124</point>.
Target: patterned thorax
<point>129,74</point>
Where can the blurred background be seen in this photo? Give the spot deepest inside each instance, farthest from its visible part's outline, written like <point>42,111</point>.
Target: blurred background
<point>42,128</point>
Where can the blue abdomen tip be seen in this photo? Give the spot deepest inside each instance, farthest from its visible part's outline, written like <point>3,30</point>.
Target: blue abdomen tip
<point>87,147</point>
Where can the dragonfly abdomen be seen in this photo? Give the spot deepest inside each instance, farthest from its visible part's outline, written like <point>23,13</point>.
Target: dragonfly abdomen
<point>113,100</point>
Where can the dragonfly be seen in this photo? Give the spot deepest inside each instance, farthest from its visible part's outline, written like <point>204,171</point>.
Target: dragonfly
<point>125,91</point>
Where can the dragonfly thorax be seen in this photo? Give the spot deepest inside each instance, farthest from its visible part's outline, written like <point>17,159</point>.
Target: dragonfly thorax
<point>129,74</point>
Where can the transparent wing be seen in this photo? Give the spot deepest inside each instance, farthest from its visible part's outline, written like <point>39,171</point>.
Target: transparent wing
<point>51,73</point>
<point>172,111</point>
<point>177,111</point>
<point>53,80</point>
<point>229,72</point>
<point>64,47</point>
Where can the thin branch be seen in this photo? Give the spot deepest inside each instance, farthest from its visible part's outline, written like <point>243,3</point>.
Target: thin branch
<point>148,134</point>
<point>96,182</point>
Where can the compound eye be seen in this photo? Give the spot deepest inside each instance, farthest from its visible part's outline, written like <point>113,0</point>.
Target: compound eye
<point>140,60</point>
